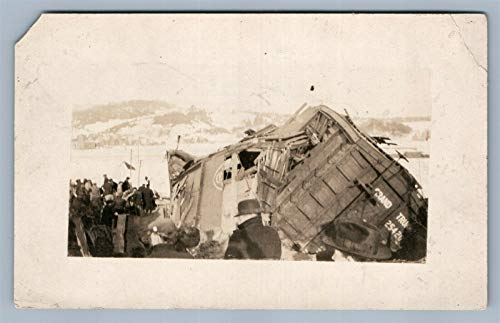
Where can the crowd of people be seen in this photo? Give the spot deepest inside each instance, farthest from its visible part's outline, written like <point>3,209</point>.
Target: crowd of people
<point>99,217</point>
<point>99,214</point>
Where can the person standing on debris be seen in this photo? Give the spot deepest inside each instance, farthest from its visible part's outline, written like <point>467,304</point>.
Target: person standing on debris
<point>252,240</point>
<point>148,197</point>
<point>142,187</point>
<point>114,185</point>
<point>126,184</point>
<point>108,212</point>
<point>134,201</point>
<point>107,187</point>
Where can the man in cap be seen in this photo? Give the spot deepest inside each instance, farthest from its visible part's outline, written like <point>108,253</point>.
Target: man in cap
<point>252,240</point>
<point>175,245</point>
<point>155,237</point>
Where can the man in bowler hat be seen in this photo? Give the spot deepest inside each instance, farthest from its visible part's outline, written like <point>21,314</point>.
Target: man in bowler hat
<point>252,240</point>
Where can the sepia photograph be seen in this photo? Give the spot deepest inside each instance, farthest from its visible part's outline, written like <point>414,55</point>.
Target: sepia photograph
<point>317,186</point>
<point>302,168</point>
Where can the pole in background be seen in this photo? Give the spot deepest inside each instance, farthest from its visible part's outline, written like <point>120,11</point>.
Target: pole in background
<point>139,170</point>
<point>178,140</point>
<point>130,169</point>
<point>169,186</point>
<point>139,174</point>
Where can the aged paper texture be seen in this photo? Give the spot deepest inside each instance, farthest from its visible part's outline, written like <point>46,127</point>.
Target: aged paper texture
<point>276,139</point>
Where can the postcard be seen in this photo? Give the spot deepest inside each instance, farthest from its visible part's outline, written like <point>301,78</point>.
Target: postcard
<point>251,161</point>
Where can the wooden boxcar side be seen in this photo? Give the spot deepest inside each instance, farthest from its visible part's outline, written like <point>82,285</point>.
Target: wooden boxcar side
<point>346,175</point>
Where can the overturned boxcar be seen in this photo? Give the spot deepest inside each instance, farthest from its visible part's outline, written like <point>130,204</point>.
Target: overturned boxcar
<point>324,183</point>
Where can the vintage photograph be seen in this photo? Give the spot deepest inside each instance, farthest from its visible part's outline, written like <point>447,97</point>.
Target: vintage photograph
<point>273,151</point>
<point>315,161</point>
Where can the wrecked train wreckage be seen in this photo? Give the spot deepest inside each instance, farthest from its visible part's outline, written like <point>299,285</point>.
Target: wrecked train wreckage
<point>324,184</point>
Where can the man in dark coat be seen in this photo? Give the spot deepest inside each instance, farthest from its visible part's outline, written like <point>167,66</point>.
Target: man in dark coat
<point>108,213</point>
<point>253,240</point>
<point>126,184</point>
<point>148,197</point>
<point>136,202</point>
<point>141,189</point>
<point>114,185</point>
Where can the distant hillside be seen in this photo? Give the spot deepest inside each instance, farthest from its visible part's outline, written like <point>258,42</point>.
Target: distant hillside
<point>124,110</point>
<point>416,129</point>
<point>158,123</point>
<point>154,122</point>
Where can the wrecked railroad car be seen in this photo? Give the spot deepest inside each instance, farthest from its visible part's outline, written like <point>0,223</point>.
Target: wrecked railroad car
<point>323,183</point>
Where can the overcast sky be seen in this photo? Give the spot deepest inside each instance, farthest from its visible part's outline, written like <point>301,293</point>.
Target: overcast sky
<point>372,65</point>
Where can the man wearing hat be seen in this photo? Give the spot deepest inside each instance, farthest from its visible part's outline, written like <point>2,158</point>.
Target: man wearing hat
<point>155,237</point>
<point>252,240</point>
<point>175,245</point>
